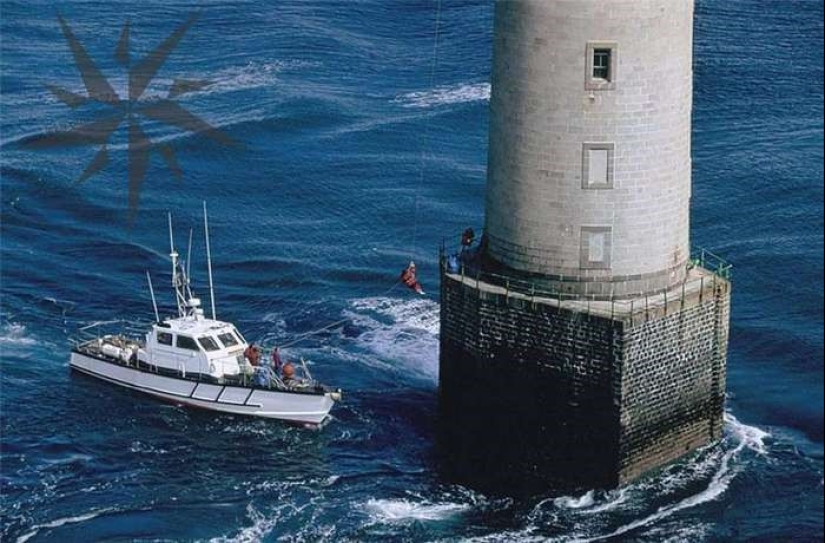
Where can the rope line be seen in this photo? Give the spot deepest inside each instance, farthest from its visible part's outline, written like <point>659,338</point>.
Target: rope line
<point>335,324</point>
<point>425,138</point>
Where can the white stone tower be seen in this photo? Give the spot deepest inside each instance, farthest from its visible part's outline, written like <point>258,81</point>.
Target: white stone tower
<point>589,172</point>
<point>582,344</point>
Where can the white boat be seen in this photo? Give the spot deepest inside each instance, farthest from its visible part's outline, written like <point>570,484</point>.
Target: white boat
<point>202,362</point>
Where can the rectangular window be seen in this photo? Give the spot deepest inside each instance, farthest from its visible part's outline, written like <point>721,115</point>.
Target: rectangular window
<point>164,338</point>
<point>186,342</point>
<point>228,339</point>
<point>596,247</point>
<point>602,64</point>
<point>209,344</point>
<point>597,165</point>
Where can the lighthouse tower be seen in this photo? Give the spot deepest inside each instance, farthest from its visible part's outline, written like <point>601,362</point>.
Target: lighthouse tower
<point>581,332</point>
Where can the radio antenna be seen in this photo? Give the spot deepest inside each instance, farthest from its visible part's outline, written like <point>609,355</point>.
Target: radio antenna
<point>152,292</point>
<point>209,261</point>
<point>189,257</point>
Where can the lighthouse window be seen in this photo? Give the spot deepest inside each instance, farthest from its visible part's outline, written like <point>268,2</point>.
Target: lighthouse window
<point>601,64</point>
<point>596,247</point>
<point>186,342</point>
<point>597,166</point>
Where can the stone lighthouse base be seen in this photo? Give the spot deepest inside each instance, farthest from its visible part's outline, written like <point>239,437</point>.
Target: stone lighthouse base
<point>545,394</point>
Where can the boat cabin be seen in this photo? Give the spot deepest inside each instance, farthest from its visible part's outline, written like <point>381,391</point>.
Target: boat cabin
<point>194,345</point>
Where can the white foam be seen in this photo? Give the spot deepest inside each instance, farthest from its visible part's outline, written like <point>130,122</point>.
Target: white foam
<point>62,522</point>
<point>402,510</point>
<point>400,331</point>
<point>250,76</point>
<point>15,334</point>
<point>261,527</point>
<point>138,447</point>
<point>567,502</point>
<point>460,94</point>
<point>746,437</point>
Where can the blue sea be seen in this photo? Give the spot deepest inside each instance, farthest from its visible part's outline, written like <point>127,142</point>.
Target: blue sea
<point>352,157</point>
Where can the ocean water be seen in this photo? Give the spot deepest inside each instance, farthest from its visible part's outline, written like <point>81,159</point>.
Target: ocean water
<point>351,161</point>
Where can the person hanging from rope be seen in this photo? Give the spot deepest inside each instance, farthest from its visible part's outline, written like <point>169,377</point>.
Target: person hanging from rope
<point>409,278</point>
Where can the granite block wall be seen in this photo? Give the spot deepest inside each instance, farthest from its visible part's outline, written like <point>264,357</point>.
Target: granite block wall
<point>534,397</point>
<point>544,116</point>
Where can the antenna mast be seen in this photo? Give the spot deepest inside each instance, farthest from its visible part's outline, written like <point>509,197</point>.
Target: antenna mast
<point>177,283</point>
<point>209,261</point>
<point>189,258</point>
<point>152,292</point>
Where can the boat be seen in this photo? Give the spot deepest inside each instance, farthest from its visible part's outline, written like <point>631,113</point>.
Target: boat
<point>202,362</point>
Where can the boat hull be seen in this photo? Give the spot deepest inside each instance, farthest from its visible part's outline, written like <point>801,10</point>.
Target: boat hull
<point>308,408</point>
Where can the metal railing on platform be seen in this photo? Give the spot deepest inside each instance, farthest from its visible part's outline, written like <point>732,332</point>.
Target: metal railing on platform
<point>711,262</point>
<point>467,262</point>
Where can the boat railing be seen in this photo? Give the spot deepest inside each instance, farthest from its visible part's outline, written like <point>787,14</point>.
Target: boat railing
<point>262,376</point>
<point>130,329</point>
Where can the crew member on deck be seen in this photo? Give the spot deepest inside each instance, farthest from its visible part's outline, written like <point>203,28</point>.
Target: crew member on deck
<point>408,277</point>
<point>289,374</point>
<point>253,354</point>
<point>276,361</point>
<point>467,238</point>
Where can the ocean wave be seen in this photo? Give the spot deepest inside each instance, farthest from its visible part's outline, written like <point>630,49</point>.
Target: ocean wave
<point>567,502</point>
<point>404,510</point>
<point>745,438</point>
<point>62,522</point>
<point>252,75</point>
<point>15,334</point>
<point>583,518</point>
<point>401,331</point>
<point>138,447</point>
<point>442,96</point>
<point>231,79</point>
<point>262,525</point>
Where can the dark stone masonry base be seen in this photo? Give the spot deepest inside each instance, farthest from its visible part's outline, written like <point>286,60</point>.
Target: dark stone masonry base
<point>539,395</point>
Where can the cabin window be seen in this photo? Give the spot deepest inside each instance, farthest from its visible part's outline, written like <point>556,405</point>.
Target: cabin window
<point>186,342</point>
<point>164,338</point>
<point>208,343</point>
<point>228,339</point>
